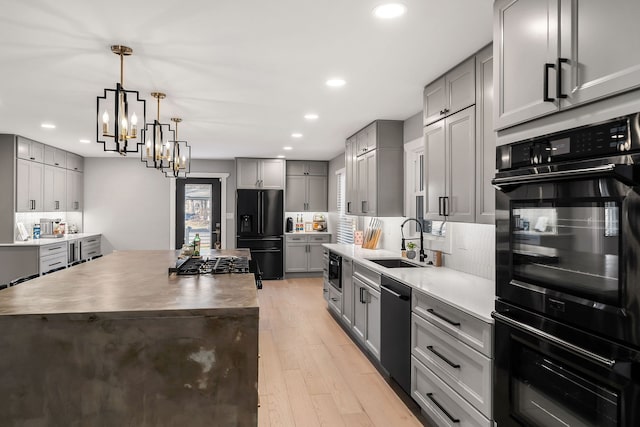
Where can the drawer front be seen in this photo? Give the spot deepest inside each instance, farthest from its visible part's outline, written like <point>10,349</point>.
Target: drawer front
<point>462,368</point>
<point>335,300</point>
<point>53,262</point>
<point>54,249</point>
<point>320,239</point>
<point>440,402</point>
<point>90,247</point>
<point>468,329</point>
<point>369,276</point>
<point>296,238</point>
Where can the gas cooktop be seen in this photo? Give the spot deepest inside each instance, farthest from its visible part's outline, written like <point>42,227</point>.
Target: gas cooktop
<point>214,265</point>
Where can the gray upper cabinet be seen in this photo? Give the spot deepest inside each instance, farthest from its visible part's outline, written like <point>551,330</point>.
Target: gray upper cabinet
<point>55,157</point>
<point>74,162</point>
<point>566,63</point>
<point>260,173</point>
<point>451,93</point>
<point>55,189</point>
<point>29,150</point>
<point>351,189</point>
<point>450,164</point>
<point>485,138</point>
<point>306,186</point>
<point>592,70</point>
<point>29,190</point>
<point>75,191</point>
<point>527,63</point>
<point>366,194</point>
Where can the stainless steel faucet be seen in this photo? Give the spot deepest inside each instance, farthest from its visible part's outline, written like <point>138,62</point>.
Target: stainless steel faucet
<point>421,236</point>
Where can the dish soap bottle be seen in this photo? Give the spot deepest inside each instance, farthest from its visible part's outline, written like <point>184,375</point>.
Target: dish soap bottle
<point>196,245</point>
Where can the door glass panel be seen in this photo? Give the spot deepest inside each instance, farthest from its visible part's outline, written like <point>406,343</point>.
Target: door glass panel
<point>547,394</point>
<point>197,213</point>
<point>571,247</point>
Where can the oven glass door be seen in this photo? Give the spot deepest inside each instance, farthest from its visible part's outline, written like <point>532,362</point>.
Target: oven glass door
<point>538,383</point>
<point>569,245</point>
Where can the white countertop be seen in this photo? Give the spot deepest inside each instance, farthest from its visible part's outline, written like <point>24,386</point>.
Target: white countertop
<point>50,240</point>
<point>302,233</point>
<point>472,294</point>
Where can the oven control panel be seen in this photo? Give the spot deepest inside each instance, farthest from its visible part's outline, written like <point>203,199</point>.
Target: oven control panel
<point>601,140</point>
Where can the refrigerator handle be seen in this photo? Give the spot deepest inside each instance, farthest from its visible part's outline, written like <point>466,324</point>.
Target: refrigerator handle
<point>262,212</point>
<point>258,217</point>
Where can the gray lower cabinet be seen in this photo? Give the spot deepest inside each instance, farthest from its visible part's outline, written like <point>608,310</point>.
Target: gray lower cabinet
<point>450,167</point>
<point>347,291</point>
<point>335,301</point>
<point>451,366</point>
<point>29,182</point>
<point>304,252</point>
<point>90,247</point>
<point>53,257</point>
<point>366,318</point>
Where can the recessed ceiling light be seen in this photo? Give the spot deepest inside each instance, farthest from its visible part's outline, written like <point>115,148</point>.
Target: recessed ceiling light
<point>296,135</point>
<point>281,156</point>
<point>311,116</point>
<point>48,125</point>
<point>287,148</point>
<point>389,10</point>
<point>336,82</point>
<point>85,141</point>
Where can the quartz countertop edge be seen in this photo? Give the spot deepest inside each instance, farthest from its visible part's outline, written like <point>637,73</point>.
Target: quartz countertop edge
<point>471,294</point>
<point>50,240</point>
<point>303,233</point>
<point>136,283</point>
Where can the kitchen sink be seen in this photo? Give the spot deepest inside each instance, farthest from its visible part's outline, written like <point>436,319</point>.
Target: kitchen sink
<point>394,263</point>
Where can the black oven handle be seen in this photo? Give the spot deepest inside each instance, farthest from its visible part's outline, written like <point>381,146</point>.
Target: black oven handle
<point>498,183</point>
<point>562,343</point>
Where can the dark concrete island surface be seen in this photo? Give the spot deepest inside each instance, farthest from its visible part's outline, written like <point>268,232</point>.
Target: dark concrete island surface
<point>119,342</point>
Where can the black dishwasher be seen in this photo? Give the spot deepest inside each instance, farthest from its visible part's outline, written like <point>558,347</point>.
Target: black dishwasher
<point>395,333</point>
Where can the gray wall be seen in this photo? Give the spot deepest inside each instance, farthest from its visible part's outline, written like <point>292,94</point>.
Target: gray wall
<point>126,202</point>
<point>413,127</point>
<point>130,204</point>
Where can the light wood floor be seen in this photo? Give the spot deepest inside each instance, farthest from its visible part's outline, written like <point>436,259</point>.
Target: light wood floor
<point>310,372</point>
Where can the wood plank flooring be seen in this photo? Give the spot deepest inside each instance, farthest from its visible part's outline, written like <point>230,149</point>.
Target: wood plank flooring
<point>310,372</point>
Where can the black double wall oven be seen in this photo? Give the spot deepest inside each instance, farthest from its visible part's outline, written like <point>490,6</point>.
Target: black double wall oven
<point>567,330</point>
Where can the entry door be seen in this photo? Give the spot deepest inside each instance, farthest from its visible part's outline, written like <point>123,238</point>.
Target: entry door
<point>198,211</point>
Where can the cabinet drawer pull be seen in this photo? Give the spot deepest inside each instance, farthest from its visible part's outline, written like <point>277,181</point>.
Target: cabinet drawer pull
<point>444,411</point>
<point>55,263</point>
<point>440,316</point>
<point>334,299</point>
<point>55,249</point>
<point>325,290</point>
<point>447,361</point>
<point>545,86</point>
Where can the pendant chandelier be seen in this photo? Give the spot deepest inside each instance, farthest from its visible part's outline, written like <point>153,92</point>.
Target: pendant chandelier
<point>158,148</point>
<point>118,112</point>
<point>181,159</point>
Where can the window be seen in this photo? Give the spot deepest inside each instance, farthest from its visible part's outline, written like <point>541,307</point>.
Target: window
<point>414,184</point>
<point>345,223</point>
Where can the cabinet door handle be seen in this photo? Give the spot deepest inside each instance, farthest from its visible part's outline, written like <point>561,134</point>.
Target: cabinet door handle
<point>349,207</point>
<point>365,207</point>
<point>545,86</point>
<point>334,299</point>
<point>445,206</point>
<point>559,93</point>
<point>439,206</point>
<point>444,411</point>
<point>447,361</point>
<point>440,316</point>
<point>361,298</point>
<point>444,111</point>
<point>32,158</point>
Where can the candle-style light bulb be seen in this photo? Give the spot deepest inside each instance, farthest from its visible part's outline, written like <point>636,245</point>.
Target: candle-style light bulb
<point>134,125</point>
<point>167,156</point>
<point>184,162</point>
<point>105,123</point>
<point>148,145</point>
<point>157,152</point>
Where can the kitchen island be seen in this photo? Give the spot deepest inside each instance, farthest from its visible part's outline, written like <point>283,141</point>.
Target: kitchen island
<point>118,341</point>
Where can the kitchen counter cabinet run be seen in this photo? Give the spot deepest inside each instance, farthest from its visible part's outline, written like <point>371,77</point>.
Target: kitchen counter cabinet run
<point>118,341</point>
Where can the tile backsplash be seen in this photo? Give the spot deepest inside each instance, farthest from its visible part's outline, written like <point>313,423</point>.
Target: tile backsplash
<point>30,218</point>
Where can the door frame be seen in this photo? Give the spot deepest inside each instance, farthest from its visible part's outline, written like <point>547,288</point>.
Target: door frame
<point>224,217</point>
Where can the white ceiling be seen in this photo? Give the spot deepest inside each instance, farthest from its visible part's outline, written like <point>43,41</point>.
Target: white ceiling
<point>241,73</point>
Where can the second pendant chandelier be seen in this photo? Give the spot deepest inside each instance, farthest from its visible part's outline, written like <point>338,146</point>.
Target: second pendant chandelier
<point>159,139</point>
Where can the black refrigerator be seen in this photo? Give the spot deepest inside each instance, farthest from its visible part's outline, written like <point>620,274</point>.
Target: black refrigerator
<point>259,227</point>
